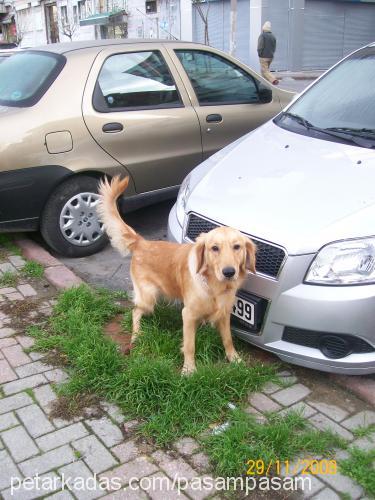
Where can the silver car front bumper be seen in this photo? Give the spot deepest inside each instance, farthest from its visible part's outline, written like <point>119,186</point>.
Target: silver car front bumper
<point>348,310</point>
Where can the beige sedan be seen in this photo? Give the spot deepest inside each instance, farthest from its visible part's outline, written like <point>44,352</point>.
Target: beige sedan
<point>71,113</point>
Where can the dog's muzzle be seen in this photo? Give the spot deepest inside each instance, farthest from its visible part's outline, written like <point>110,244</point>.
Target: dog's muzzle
<point>228,272</point>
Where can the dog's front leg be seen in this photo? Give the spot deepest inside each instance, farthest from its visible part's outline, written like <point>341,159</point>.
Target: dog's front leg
<point>226,336</point>
<point>188,348</point>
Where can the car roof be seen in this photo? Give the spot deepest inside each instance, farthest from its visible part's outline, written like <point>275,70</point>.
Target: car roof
<point>62,48</point>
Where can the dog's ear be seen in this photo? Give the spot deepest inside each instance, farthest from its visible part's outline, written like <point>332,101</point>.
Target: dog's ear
<point>200,246</point>
<point>250,256</point>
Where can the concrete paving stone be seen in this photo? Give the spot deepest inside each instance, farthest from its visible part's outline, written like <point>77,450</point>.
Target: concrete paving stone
<point>96,456</point>
<point>263,403</point>
<point>332,411</point>
<point>177,467</point>
<point>8,470</point>
<point>366,443</point>
<point>361,419</point>
<point>138,468</point>
<point>35,421</point>
<point>7,267</point>
<point>160,487</point>
<point>15,355</point>
<point>45,395</point>
<point>341,454</point>
<point>6,290</point>
<point>59,423</point>
<point>27,290</point>
<point>322,422</point>
<point>7,421</point>
<point>14,402</point>
<point>25,341</point>
<point>326,494</point>
<point>186,446</point>
<point>81,480</point>
<point>61,495</point>
<point>6,372</point>
<point>127,494</point>
<point>32,369</point>
<point>48,461</point>
<point>15,296</point>
<point>34,488</point>
<point>24,383</point>
<point>62,436</point>
<point>17,261</point>
<point>109,433</point>
<point>314,486</point>
<point>302,408</point>
<point>19,443</point>
<point>261,419</point>
<point>57,375</point>
<point>270,388</point>
<point>36,356</point>
<point>291,395</point>
<point>200,461</point>
<point>114,412</point>
<point>6,332</point>
<point>7,341</point>
<point>62,277</point>
<point>130,425</point>
<point>125,451</point>
<point>343,484</point>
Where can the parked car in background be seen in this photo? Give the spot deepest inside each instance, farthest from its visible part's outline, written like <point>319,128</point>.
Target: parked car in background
<point>7,49</point>
<point>302,187</point>
<point>71,113</point>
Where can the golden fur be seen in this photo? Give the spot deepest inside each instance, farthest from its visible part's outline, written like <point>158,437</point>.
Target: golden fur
<point>192,273</point>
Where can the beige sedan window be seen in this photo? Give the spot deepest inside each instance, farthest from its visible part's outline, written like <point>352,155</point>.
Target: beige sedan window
<point>136,80</point>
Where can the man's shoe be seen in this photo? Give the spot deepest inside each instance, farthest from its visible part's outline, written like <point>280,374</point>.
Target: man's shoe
<point>275,82</point>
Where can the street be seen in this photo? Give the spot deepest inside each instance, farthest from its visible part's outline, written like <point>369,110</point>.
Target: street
<point>108,268</point>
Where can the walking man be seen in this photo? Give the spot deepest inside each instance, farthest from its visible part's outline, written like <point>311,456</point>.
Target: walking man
<point>266,51</point>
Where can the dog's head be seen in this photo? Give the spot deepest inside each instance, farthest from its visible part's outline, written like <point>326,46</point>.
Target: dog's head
<point>226,253</point>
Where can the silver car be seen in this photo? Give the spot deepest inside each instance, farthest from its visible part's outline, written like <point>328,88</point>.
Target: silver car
<point>302,186</point>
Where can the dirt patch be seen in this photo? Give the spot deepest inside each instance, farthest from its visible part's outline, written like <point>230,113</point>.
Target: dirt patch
<point>56,358</point>
<point>114,330</point>
<point>81,405</point>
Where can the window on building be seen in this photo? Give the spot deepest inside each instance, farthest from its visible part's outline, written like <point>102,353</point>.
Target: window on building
<point>75,14</point>
<point>151,6</point>
<point>137,80</point>
<point>216,80</point>
<point>82,9</point>
<point>64,14</point>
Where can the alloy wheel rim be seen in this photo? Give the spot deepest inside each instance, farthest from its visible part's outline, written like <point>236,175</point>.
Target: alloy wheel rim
<point>79,222</point>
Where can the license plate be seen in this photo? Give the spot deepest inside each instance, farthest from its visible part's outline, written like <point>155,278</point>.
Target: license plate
<point>244,310</point>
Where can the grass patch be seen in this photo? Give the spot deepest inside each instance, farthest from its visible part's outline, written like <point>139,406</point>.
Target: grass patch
<point>359,466</point>
<point>281,438</point>
<point>32,269</point>
<point>147,384</point>
<point>8,279</point>
<point>364,431</point>
<point>7,242</point>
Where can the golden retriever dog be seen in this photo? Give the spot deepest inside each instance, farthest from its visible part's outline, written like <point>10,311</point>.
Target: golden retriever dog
<point>204,276</point>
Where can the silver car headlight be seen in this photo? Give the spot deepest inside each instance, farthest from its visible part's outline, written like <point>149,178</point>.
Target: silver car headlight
<point>349,262</point>
<point>182,198</point>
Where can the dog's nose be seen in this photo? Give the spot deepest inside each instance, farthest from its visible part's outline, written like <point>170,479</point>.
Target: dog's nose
<point>229,272</point>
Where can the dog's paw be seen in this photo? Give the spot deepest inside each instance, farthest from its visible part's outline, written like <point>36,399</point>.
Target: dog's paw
<point>234,357</point>
<point>188,370</point>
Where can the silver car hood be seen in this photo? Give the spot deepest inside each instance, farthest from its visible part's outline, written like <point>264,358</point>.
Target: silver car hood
<point>289,189</point>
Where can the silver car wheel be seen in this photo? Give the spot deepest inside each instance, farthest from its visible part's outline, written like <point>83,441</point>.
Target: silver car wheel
<point>79,223</point>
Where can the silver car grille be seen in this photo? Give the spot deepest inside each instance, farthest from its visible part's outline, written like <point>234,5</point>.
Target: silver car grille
<point>269,257</point>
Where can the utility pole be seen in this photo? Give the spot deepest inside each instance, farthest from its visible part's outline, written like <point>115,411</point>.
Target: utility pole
<point>233,27</point>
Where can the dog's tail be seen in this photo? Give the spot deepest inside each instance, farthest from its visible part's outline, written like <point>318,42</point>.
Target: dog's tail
<point>122,236</point>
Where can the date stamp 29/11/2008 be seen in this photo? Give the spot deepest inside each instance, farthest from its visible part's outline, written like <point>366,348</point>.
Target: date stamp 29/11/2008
<point>285,467</point>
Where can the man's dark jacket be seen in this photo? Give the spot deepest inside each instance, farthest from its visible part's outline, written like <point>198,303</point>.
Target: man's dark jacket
<point>266,45</point>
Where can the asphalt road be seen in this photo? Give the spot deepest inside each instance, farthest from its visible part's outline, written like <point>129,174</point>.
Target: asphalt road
<point>108,268</point>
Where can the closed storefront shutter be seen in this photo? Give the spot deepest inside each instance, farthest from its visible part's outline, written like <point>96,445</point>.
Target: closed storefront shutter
<point>334,29</point>
<point>277,11</point>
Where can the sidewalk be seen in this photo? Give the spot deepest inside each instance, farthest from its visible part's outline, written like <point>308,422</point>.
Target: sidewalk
<point>298,75</point>
<point>102,442</point>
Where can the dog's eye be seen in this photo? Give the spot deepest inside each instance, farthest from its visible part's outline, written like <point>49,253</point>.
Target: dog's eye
<point>237,247</point>
<point>215,248</point>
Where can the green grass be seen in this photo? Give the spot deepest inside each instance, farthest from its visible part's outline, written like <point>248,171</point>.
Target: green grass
<point>364,431</point>
<point>7,242</point>
<point>8,279</point>
<point>32,269</point>
<point>359,466</point>
<point>147,384</point>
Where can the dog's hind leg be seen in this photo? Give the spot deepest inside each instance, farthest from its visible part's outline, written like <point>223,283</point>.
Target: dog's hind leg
<point>144,303</point>
<point>223,325</point>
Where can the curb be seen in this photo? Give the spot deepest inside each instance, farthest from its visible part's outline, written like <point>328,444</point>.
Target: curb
<point>56,273</point>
